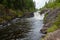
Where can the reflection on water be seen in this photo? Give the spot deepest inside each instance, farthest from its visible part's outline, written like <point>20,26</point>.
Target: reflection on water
<point>22,29</point>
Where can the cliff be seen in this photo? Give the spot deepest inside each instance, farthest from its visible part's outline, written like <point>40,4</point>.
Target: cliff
<point>51,25</point>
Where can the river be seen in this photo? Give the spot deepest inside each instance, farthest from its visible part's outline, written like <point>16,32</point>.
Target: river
<point>36,24</point>
<point>25,29</point>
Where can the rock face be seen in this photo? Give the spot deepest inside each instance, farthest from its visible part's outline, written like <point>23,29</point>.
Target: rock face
<point>50,19</point>
<point>53,36</point>
<point>48,22</point>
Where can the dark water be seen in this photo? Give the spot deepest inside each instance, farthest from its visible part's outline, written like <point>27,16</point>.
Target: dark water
<point>23,29</point>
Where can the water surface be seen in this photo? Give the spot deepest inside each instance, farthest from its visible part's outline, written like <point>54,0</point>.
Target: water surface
<point>36,24</point>
<point>23,29</point>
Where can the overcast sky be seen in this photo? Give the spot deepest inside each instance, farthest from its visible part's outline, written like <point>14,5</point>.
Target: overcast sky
<point>40,3</point>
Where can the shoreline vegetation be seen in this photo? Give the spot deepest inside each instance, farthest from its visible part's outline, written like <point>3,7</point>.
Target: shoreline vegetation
<point>51,27</point>
<point>10,9</point>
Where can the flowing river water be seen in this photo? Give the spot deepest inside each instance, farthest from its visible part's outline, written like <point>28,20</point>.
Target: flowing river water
<point>36,24</point>
<point>26,28</point>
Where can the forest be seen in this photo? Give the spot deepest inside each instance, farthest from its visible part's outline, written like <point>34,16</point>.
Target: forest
<point>43,23</point>
<point>10,9</point>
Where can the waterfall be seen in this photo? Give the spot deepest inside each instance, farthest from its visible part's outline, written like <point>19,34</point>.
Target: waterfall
<point>38,16</point>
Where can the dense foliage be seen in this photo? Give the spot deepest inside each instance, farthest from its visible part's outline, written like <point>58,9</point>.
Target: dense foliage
<point>18,4</point>
<point>12,8</point>
<point>53,4</point>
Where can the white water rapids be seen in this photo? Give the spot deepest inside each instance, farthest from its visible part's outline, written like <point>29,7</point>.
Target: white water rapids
<point>38,16</point>
<point>36,23</point>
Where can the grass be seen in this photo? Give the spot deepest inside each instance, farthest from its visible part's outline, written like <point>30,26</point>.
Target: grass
<point>45,17</point>
<point>56,25</point>
<point>52,28</point>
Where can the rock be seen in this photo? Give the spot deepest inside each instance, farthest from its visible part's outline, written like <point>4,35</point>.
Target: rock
<point>28,15</point>
<point>44,30</point>
<point>43,35</point>
<point>50,19</point>
<point>53,35</point>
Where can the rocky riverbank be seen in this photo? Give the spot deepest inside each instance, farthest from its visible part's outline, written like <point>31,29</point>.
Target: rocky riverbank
<point>51,25</point>
<point>13,28</point>
<point>7,15</point>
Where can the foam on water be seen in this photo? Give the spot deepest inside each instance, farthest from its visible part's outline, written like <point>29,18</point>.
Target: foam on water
<point>38,16</point>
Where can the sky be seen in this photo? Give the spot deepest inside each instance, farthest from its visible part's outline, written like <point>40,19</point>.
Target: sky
<point>40,3</point>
